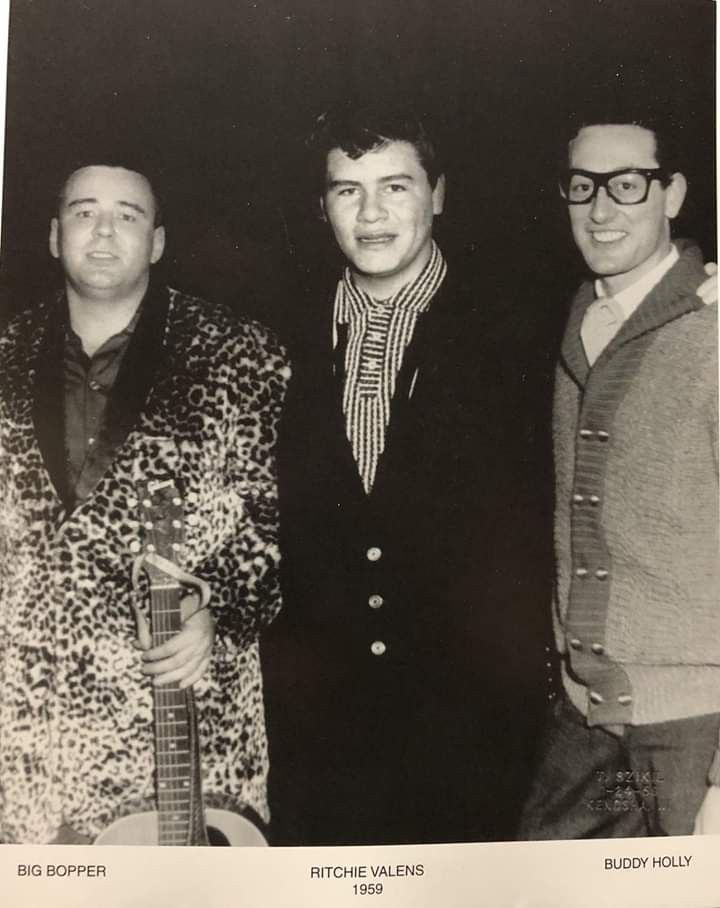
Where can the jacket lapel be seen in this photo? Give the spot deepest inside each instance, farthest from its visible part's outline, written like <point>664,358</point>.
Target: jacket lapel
<point>141,364</point>
<point>572,353</point>
<point>347,458</point>
<point>144,360</point>
<point>48,407</point>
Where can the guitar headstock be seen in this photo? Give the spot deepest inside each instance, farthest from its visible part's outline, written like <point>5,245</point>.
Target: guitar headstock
<point>162,519</point>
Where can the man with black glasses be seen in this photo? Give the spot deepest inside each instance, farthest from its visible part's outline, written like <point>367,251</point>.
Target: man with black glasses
<point>632,745</point>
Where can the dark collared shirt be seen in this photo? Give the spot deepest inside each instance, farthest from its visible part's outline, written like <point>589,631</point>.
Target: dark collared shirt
<point>88,383</point>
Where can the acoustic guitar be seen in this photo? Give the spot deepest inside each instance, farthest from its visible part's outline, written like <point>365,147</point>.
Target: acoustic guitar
<point>180,817</point>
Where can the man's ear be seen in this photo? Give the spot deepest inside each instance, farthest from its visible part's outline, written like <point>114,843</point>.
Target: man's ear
<point>438,195</point>
<point>53,238</point>
<point>675,195</point>
<point>158,245</point>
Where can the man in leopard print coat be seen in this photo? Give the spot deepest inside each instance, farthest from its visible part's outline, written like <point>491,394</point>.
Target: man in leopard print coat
<point>115,382</point>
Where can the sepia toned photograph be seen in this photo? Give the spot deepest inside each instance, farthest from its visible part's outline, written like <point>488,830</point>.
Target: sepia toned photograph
<point>359,450</point>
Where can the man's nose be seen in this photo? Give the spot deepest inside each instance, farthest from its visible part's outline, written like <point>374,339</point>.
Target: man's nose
<point>371,207</point>
<point>104,224</point>
<point>602,207</point>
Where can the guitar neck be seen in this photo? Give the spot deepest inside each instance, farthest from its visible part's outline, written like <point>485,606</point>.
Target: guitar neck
<point>173,741</point>
<point>177,746</point>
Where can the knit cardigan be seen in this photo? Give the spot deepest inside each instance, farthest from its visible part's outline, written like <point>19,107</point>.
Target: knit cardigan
<point>636,523</point>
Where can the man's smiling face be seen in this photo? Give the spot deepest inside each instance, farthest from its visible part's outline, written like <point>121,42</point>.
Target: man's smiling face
<point>622,242</point>
<point>381,208</point>
<point>105,234</point>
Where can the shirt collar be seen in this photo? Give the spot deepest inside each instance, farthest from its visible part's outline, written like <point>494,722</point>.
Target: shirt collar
<point>631,297</point>
<point>74,340</point>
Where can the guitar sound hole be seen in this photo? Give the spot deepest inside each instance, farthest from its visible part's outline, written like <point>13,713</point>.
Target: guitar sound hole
<point>215,837</point>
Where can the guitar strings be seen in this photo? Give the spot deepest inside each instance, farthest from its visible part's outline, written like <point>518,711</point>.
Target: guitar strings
<point>171,727</point>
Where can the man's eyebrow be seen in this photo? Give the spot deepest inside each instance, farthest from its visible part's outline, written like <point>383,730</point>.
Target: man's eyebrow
<point>134,206</point>
<point>391,178</point>
<point>93,201</point>
<point>87,201</point>
<point>333,184</point>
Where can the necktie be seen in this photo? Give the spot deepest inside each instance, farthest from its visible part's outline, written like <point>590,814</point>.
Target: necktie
<point>601,323</point>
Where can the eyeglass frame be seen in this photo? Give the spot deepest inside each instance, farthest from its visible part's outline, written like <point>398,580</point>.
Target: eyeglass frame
<point>602,180</point>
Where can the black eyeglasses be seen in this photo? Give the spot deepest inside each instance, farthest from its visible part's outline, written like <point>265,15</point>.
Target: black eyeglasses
<point>626,187</point>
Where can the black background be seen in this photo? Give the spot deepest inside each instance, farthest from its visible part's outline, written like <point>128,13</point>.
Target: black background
<point>218,95</point>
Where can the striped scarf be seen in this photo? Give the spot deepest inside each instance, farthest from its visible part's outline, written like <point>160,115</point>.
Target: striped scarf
<point>379,332</point>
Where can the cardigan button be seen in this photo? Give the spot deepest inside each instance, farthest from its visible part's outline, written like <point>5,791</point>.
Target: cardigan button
<point>594,500</point>
<point>598,649</point>
<point>596,698</point>
<point>586,433</point>
<point>624,699</point>
<point>603,436</point>
<point>601,574</point>
<point>581,572</point>
<point>576,644</point>
<point>578,499</point>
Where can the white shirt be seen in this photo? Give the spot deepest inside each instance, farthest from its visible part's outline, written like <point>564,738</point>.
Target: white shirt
<point>627,301</point>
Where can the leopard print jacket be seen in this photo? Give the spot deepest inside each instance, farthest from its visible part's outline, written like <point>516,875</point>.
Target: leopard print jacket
<point>76,733</point>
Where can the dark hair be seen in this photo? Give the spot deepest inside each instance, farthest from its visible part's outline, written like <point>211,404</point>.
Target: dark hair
<point>358,129</point>
<point>668,152</point>
<point>72,169</point>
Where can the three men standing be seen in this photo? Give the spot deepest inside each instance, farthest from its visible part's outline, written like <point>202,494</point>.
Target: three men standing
<point>406,679</point>
<point>117,383</point>
<point>632,747</point>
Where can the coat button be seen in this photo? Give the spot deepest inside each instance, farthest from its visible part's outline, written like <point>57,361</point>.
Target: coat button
<point>374,553</point>
<point>586,433</point>
<point>624,699</point>
<point>581,572</point>
<point>575,643</point>
<point>603,436</point>
<point>594,499</point>
<point>578,499</point>
<point>377,648</point>
<point>598,649</point>
<point>375,601</point>
<point>596,698</point>
<point>601,574</point>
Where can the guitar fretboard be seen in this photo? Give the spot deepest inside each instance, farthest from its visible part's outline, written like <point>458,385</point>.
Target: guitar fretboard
<point>172,730</point>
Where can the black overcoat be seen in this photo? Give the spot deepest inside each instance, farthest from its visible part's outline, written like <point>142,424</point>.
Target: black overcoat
<point>406,678</point>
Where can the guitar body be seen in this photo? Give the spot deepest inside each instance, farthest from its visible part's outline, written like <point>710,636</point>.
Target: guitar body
<point>223,828</point>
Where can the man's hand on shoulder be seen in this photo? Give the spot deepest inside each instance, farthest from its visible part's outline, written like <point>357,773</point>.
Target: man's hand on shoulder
<point>186,657</point>
<point>707,821</point>
<point>707,291</point>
